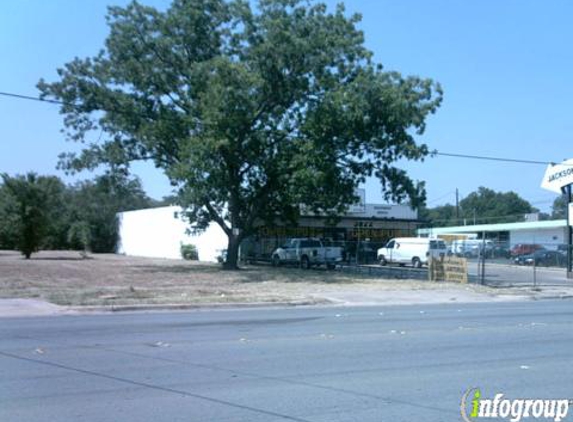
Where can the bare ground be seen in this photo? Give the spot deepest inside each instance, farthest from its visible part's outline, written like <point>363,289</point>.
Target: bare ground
<point>64,278</point>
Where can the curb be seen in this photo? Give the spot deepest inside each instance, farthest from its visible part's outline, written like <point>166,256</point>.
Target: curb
<point>193,306</point>
<point>554,297</point>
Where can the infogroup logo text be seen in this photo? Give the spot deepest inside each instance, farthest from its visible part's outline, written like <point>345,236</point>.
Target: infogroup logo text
<point>474,407</point>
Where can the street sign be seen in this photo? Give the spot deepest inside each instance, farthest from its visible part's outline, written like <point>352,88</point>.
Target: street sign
<point>558,176</point>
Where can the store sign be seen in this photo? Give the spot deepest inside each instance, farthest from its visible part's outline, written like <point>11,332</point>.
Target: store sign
<point>558,176</point>
<point>449,268</point>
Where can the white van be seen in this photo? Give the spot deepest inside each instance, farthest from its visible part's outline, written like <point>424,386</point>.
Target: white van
<point>413,251</point>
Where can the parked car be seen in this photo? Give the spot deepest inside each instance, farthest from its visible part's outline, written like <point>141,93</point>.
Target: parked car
<point>306,252</point>
<point>499,251</point>
<point>471,248</point>
<point>411,250</point>
<point>524,249</point>
<point>542,257</point>
<point>362,253</point>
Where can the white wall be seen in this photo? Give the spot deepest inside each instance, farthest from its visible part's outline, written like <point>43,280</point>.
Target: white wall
<point>156,233</point>
<point>550,238</point>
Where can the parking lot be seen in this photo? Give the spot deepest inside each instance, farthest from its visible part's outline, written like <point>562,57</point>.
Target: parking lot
<point>497,272</point>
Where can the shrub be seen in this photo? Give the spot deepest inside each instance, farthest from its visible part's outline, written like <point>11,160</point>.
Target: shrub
<point>190,252</point>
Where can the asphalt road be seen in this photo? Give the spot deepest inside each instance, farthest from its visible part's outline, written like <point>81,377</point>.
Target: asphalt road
<point>406,363</point>
<point>507,274</point>
<point>497,273</point>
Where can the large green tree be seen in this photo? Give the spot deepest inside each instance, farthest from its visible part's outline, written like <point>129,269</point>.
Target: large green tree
<point>250,112</point>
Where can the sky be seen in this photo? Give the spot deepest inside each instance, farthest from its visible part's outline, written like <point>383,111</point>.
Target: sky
<point>505,67</point>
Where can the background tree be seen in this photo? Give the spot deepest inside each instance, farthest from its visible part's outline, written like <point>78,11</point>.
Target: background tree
<point>79,236</point>
<point>559,208</point>
<point>57,212</point>
<point>81,217</point>
<point>251,113</point>
<point>441,216</point>
<point>96,203</point>
<point>484,206</point>
<point>489,206</point>
<point>30,199</point>
<point>8,219</point>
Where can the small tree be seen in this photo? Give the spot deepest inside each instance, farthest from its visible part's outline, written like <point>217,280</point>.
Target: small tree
<point>189,252</point>
<point>79,234</point>
<point>31,202</point>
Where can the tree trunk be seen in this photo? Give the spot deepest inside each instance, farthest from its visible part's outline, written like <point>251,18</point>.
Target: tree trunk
<point>232,261</point>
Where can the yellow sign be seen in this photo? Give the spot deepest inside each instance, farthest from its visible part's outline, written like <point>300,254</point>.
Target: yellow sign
<point>452,237</point>
<point>448,268</point>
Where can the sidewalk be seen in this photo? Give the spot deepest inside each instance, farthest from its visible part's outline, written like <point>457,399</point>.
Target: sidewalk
<point>35,307</point>
<point>31,307</point>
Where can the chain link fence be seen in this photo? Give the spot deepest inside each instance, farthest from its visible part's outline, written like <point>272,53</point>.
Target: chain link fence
<point>489,262</point>
<point>530,263</point>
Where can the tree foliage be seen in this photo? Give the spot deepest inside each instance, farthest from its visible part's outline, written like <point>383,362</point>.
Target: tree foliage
<point>29,198</point>
<point>250,112</point>
<point>559,208</point>
<point>494,207</point>
<point>9,219</point>
<point>96,203</point>
<point>484,206</point>
<point>41,212</point>
<point>441,216</point>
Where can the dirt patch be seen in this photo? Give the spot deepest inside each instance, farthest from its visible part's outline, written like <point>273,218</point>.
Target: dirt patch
<point>64,278</point>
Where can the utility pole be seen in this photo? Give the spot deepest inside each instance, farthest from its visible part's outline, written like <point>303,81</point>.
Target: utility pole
<point>457,206</point>
<point>567,192</point>
<point>481,262</point>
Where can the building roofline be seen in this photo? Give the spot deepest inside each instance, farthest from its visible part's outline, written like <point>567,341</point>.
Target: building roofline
<point>479,228</point>
<point>365,219</point>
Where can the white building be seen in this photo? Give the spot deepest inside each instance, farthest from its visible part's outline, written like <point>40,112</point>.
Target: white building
<point>160,232</point>
<point>550,234</point>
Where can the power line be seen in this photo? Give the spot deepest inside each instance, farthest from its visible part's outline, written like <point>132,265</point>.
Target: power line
<point>435,152</point>
<point>30,98</point>
<point>441,197</point>
<point>481,157</point>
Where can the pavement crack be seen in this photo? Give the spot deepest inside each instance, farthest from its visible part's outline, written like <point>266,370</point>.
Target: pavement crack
<point>154,387</point>
<point>289,381</point>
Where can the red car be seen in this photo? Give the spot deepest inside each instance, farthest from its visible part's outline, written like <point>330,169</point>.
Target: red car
<point>524,249</point>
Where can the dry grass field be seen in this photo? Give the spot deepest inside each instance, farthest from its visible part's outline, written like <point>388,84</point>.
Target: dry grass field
<point>64,278</point>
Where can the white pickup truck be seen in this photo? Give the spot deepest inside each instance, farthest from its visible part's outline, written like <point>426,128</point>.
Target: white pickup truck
<point>306,252</point>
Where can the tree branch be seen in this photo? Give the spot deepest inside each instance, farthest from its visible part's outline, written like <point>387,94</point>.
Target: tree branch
<point>218,219</point>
